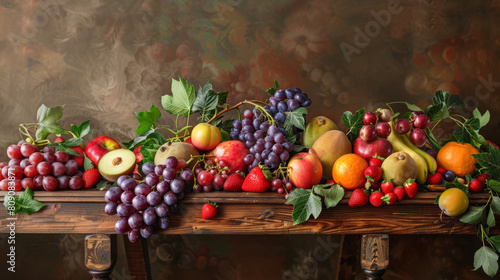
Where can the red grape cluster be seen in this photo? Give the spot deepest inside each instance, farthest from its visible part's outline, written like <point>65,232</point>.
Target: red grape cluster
<point>50,170</point>
<point>416,125</point>
<point>211,175</point>
<point>282,186</point>
<point>141,205</point>
<point>376,125</point>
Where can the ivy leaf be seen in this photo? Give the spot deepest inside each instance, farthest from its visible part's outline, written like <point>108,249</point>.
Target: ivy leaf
<point>486,258</point>
<point>305,203</point>
<point>47,118</point>
<point>353,122</point>
<point>413,107</point>
<point>473,215</point>
<point>483,119</point>
<point>181,100</point>
<point>290,135</point>
<point>296,117</point>
<point>490,162</point>
<point>82,130</point>
<point>332,194</point>
<point>437,112</point>
<point>451,101</point>
<point>206,99</point>
<point>147,119</point>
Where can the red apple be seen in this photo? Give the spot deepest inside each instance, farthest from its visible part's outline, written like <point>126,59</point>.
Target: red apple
<point>232,152</point>
<point>100,146</point>
<point>380,147</point>
<point>138,154</point>
<point>305,170</point>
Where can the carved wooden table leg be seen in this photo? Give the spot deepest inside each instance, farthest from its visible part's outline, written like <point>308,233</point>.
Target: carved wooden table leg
<point>100,255</point>
<point>374,255</point>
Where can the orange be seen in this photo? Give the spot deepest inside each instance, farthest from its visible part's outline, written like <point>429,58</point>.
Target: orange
<point>348,171</point>
<point>458,158</point>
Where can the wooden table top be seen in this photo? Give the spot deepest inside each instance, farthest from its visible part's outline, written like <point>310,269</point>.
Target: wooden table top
<point>82,212</point>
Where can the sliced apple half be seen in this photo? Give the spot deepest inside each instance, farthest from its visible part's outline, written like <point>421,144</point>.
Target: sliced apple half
<point>116,163</point>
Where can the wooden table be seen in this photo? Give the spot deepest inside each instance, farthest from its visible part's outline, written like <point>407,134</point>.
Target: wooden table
<point>82,212</point>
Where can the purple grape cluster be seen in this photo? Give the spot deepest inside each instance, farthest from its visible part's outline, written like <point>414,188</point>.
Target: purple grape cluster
<point>141,205</point>
<point>265,142</point>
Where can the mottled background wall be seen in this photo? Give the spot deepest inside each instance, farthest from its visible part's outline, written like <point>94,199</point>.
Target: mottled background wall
<point>108,59</point>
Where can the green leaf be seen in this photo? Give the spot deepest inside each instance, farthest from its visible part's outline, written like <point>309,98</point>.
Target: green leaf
<point>490,221</point>
<point>206,99</point>
<point>290,135</point>
<point>413,107</point>
<point>457,185</point>
<point>8,197</point>
<point>494,185</point>
<point>483,119</point>
<point>104,185</point>
<point>436,201</point>
<point>47,118</point>
<point>486,258</point>
<point>66,149</point>
<point>449,100</point>
<point>490,162</point>
<point>298,148</point>
<point>31,206</point>
<point>87,163</point>
<point>437,112</point>
<point>139,140</point>
<point>272,91</point>
<point>495,204</point>
<point>473,215</point>
<point>468,178</point>
<point>296,118</point>
<point>149,152</point>
<point>222,97</point>
<point>147,119</point>
<point>181,100</point>
<point>496,241</point>
<point>332,194</point>
<point>26,204</point>
<point>82,130</point>
<point>305,203</point>
<point>353,122</point>
<point>432,140</point>
<point>225,135</point>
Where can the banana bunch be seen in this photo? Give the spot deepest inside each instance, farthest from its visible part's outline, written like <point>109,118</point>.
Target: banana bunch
<point>425,163</point>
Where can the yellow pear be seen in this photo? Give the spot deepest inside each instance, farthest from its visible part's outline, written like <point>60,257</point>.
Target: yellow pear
<point>329,147</point>
<point>315,128</point>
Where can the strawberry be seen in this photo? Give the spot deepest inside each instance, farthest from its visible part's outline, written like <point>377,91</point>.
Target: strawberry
<point>376,161</point>
<point>330,182</point>
<point>233,182</point>
<point>358,198</point>
<point>59,139</point>
<point>376,199</point>
<point>483,177</point>
<point>374,172</point>
<point>441,170</point>
<point>91,177</point>
<point>411,188</point>
<point>208,210</point>
<point>79,159</point>
<point>476,185</point>
<point>387,186</point>
<point>375,185</point>
<point>390,198</point>
<point>257,180</point>
<point>435,179</point>
<point>399,192</point>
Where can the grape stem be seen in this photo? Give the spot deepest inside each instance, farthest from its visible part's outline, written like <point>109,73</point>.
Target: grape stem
<point>251,102</point>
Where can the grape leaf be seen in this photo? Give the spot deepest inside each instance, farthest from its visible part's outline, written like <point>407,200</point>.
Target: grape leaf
<point>296,117</point>
<point>490,162</point>
<point>353,122</point>
<point>82,130</point>
<point>206,99</point>
<point>473,215</point>
<point>47,118</point>
<point>147,120</point>
<point>181,100</point>
<point>486,258</point>
<point>305,203</point>
<point>332,194</point>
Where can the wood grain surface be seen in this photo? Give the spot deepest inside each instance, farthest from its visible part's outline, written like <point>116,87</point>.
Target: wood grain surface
<point>82,212</point>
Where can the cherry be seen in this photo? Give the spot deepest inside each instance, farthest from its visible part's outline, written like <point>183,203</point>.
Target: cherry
<point>367,133</point>
<point>418,137</point>
<point>369,118</point>
<point>402,126</point>
<point>421,121</point>
<point>383,129</point>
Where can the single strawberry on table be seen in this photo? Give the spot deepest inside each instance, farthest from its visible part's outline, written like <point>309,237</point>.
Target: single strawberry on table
<point>387,186</point>
<point>399,192</point>
<point>208,210</point>
<point>257,180</point>
<point>376,198</point>
<point>358,198</point>
<point>411,188</point>
<point>91,177</point>
<point>435,179</point>
<point>234,182</point>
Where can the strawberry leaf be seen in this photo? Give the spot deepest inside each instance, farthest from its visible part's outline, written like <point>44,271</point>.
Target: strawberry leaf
<point>490,162</point>
<point>486,258</point>
<point>305,203</point>
<point>147,120</point>
<point>47,118</point>
<point>181,100</point>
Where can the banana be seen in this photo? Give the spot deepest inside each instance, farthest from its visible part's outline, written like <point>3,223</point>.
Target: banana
<point>399,145</point>
<point>431,162</point>
<point>315,128</point>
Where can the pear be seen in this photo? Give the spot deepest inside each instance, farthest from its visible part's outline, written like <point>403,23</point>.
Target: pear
<point>399,167</point>
<point>329,147</point>
<point>315,128</point>
<point>180,150</point>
